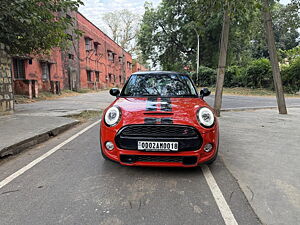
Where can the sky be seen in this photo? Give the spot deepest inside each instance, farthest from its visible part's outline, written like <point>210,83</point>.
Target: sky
<point>94,9</point>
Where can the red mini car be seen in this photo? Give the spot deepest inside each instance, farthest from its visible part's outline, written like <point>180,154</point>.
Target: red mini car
<point>158,119</point>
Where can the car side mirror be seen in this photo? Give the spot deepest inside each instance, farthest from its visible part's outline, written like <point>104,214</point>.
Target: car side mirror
<point>114,92</point>
<point>204,92</point>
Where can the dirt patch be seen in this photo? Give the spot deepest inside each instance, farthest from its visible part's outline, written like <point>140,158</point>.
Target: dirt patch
<point>86,115</point>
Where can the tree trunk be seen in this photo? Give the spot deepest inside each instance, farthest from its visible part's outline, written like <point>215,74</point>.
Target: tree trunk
<point>274,59</point>
<point>222,62</point>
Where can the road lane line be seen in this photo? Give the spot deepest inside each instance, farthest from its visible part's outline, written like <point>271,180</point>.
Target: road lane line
<point>10,178</point>
<point>227,215</point>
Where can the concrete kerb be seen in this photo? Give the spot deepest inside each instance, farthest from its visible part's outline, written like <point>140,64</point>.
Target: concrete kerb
<point>240,109</point>
<point>30,142</point>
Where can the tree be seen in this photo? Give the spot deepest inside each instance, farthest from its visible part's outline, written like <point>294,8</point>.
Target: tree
<point>35,26</point>
<point>274,58</point>
<point>286,21</point>
<point>242,7</point>
<point>168,38</point>
<point>124,26</point>
<point>222,60</point>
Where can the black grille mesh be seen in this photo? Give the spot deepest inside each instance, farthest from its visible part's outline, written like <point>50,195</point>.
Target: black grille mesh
<point>144,158</point>
<point>159,131</point>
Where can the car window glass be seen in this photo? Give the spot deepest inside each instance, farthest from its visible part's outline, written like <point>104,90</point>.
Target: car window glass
<point>167,85</point>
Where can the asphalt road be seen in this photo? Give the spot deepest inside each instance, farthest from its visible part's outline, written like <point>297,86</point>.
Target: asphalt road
<point>75,185</point>
<point>100,100</point>
<point>235,101</point>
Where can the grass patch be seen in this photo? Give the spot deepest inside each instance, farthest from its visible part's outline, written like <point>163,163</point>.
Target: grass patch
<point>85,90</point>
<point>249,92</point>
<point>86,115</point>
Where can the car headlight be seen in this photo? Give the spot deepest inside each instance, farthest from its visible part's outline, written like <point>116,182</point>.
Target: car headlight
<point>206,117</point>
<point>112,116</point>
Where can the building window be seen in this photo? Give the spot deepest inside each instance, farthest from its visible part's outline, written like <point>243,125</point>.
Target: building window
<point>129,65</point>
<point>110,56</point>
<point>120,78</point>
<point>71,56</point>
<point>120,59</point>
<point>45,71</point>
<point>110,78</point>
<point>19,68</point>
<point>88,44</point>
<point>96,48</point>
<point>97,76</point>
<point>89,75</point>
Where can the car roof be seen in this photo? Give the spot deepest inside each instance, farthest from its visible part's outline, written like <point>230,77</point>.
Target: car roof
<point>157,72</point>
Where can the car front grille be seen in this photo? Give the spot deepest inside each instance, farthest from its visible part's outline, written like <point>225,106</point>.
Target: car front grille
<point>159,131</point>
<point>188,137</point>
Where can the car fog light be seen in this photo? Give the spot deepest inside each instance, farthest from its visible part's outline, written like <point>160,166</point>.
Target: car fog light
<point>110,146</point>
<point>208,147</point>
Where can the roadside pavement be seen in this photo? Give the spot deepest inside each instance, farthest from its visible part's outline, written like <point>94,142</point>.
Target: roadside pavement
<point>36,122</point>
<point>20,132</point>
<point>68,105</point>
<point>261,150</point>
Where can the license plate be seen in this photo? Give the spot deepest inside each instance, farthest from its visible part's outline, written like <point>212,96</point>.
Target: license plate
<point>158,146</point>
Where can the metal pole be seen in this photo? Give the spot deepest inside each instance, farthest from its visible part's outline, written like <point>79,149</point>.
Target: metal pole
<point>198,55</point>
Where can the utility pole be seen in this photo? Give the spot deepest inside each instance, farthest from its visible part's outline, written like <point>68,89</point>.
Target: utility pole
<point>274,58</point>
<point>198,56</point>
<point>222,61</point>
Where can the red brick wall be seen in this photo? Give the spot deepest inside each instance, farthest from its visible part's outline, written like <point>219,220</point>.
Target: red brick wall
<point>118,70</point>
<point>100,62</point>
<point>138,67</point>
<point>33,71</point>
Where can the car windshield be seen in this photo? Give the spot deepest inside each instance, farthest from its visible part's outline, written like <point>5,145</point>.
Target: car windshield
<point>166,85</point>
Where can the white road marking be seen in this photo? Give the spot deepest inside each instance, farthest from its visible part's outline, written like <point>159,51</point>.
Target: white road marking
<point>44,156</point>
<point>227,215</point>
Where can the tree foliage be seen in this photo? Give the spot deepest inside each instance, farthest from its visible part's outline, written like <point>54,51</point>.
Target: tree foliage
<point>286,21</point>
<point>124,26</point>
<point>29,26</point>
<point>168,37</point>
<point>168,33</point>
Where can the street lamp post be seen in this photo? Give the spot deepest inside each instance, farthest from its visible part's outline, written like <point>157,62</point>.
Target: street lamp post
<point>198,55</point>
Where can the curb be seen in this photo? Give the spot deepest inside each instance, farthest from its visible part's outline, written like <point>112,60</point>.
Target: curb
<point>254,108</point>
<point>30,142</point>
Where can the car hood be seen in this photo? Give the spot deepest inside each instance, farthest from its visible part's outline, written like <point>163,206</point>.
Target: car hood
<point>153,110</point>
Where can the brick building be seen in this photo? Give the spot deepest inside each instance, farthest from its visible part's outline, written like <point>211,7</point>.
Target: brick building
<point>103,63</point>
<point>94,61</point>
<point>32,74</point>
<point>138,67</point>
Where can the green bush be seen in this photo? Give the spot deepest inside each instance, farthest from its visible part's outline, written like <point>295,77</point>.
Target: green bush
<point>234,76</point>
<point>291,76</point>
<point>258,74</point>
<point>207,76</point>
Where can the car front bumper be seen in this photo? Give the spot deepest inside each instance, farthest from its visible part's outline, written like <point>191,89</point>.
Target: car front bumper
<point>136,157</point>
